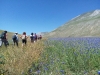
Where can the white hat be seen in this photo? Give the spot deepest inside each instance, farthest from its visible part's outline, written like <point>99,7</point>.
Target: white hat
<point>16,33</point>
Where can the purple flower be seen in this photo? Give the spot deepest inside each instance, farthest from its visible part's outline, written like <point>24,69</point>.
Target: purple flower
<point>62,71</point>
<point>38,71</point>
<point>99,72</point>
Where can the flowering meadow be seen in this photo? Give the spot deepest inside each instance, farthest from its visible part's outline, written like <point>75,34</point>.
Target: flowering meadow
<point>69,56</point>
<point>53,56</point>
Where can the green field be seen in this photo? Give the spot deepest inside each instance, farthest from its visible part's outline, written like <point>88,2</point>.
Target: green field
<point>48,57</point>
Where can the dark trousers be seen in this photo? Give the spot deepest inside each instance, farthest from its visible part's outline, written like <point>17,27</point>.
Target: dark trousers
<point>15,42</point>
<point>24,41</point>
<point>4,41</point>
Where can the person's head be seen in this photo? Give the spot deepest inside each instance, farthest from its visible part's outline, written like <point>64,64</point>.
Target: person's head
<point>5,31</point>
<point>24,33</point>
<point>16,33</point>
<point>31,33</point>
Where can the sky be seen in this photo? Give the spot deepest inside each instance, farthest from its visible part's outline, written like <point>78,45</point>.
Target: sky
<point>41,15</point>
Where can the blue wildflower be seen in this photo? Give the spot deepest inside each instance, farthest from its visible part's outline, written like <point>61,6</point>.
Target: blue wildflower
<point>98,72</point>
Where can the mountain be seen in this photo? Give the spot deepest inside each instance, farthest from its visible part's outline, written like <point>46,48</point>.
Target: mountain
<point>43,33</point>
<point>84,25</point>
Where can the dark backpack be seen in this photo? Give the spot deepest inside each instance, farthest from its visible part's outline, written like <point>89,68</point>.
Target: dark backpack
<point>14,37</point>
<point>3,35</point>
<point>32,37</point>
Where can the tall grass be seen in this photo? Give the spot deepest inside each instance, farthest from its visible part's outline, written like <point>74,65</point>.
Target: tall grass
<point>58,59</point>
<point>17,60</point>
<point>51,57</point>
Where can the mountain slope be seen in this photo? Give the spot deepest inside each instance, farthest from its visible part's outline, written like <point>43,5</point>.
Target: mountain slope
<point>87,24</point>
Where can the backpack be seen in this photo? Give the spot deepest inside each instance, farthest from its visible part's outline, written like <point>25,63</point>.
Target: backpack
<point>3,35</point>
<point>23,37</point>
<point>35,36</point>
<point>32,37</point>
<point>14,37</point>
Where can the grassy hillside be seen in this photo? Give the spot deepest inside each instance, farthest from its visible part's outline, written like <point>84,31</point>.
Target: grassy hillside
<point>81,26</point>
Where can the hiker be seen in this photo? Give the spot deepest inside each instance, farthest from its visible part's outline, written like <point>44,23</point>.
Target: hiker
<point>32,38</point>
<point>35,36</point>
<point>3,38</point>
<point>15,39</point>
<point>24,38</point>
<point>39,37</point>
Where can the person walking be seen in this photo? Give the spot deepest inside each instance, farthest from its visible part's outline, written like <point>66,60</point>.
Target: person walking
<point>24,38</point>
<point>3,38</point>
<point>15,39</point>
<point>32,38</point>
<point>39,37</point>
<point>35,36</point>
